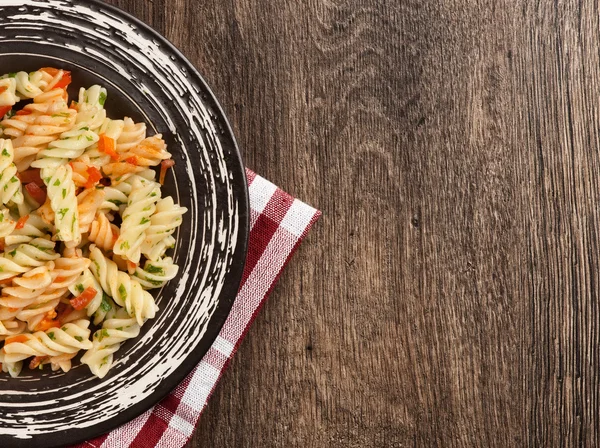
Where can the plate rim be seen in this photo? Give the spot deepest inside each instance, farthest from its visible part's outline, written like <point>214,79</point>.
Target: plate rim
<point>229,292</point>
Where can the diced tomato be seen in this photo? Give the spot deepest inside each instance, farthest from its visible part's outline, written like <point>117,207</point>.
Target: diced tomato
<point>59,279</point>
<point>3,89</point>
<point>63,311</point>
<point>4,110</point>
<point>64,81</point>
<point>73,105</point>
<point>21,222</point>
<point>36,361</point>
<point>108,146</point>
<point>38,194</point>
<point>94,175</point>
<point>164,166</point>
<point>17,338</point>
<point>23,112</point>
<point>133,160</point>
<point>31,175</point>
<point>46,324</point>
<point>83,300</point>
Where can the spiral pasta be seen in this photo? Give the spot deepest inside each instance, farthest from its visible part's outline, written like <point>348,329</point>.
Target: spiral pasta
<point>136,219</point>
<point>163,223</point>
<point>156,273</point>
<point>103,233</point>
<point>8,94</point>
<point>132,135</point>
<point>70,145</point>
<point>7,224</point>
<point>42,123</point>
<point>90,108</point>
<point>10,185</point>
<point>61,192</point>
<point>84,232</point>
<point>88,202</point>
<point>33,227</point>
<point>32,254</point>
<point>26,86</point>
<point>124,290</point>
<point>115,330</point>
<point>70,338</point>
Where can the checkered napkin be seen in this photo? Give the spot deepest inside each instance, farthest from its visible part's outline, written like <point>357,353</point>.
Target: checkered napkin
<point>278,223</point>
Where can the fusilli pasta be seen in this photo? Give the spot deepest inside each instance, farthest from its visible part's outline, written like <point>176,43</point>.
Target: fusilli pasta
<point>83,229</point>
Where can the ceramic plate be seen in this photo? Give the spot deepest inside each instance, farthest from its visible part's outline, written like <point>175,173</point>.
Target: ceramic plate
<point>149,80</point>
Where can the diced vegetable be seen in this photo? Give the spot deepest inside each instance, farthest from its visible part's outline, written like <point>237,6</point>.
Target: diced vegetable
<point>47,323</point>
<point>84,299</point>
<point>94,175</point>
<point>37,194</point>
<point>17,338</point>
<point>64,81</point>
<point>108,146</point>
<point>31,175</point>
<point>21,222</point>
<point>36,361</point>
<point>164,166</point>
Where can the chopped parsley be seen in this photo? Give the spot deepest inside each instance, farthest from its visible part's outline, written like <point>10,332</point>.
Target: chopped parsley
<point>154,269</point>
<point>102,334</point>
<point>105,305</point>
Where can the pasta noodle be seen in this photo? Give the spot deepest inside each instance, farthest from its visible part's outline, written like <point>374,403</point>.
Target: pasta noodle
<point>84,232</point>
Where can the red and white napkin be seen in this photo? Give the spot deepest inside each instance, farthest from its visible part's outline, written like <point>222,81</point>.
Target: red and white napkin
<point>278,224</point>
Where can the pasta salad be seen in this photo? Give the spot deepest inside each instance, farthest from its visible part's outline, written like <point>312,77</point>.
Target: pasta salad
<point>84,226</point>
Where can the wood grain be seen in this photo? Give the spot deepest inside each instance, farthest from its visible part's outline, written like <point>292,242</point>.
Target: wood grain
<point>448,297</point>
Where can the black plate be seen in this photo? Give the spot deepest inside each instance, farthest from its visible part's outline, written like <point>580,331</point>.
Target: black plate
<point>149,80</point>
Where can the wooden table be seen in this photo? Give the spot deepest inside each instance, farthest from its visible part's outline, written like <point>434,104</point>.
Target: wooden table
<point>449,295</point>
